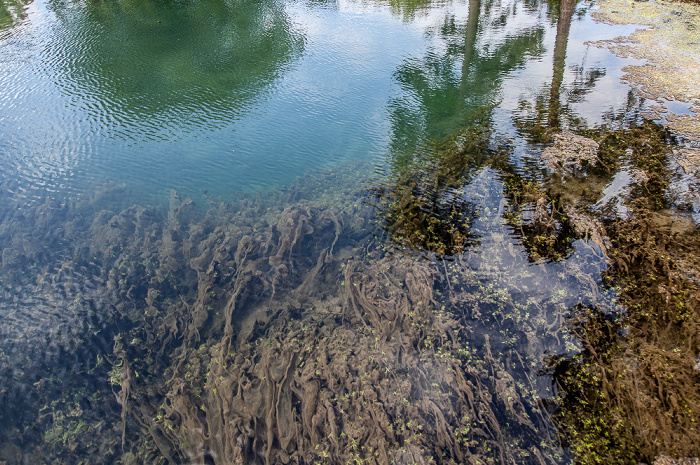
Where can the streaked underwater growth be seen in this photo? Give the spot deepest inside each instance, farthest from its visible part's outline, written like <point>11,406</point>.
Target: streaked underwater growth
<point>343,232</point>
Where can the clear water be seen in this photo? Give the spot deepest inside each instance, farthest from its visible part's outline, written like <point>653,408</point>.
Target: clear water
<point>237,97</point>
<point>220,98</point>
<point>224,97</point>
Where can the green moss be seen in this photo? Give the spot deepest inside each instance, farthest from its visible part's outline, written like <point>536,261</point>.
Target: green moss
<point>420,203</point>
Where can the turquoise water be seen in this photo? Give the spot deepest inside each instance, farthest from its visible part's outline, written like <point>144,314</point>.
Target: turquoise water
<point>237,230</point>
<point>233,97</point>
<point>224,97</point>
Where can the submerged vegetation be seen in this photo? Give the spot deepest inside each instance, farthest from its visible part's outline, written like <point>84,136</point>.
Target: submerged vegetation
<point>632,392</point>
<point>422,205</point>
<point>629,393</point>
<point>281,330</point>
<point>466,306</point>
<point>258,333</point>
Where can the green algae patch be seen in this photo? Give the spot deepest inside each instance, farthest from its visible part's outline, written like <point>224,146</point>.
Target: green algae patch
<point>669,48</point>
<point>632,392</point>
<point>629,393</point>
<point>420,203</point>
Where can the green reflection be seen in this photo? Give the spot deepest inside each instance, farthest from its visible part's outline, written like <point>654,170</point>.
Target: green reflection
<point>448,100</point>
<point>408,8</point>
<point>444,87</point>
<point>12,11</point>
<point>193,61</point>
<point>540,202</point>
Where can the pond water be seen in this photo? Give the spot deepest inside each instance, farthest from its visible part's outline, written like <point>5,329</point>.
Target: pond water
<point>232,97</point>
<point>337,232</point>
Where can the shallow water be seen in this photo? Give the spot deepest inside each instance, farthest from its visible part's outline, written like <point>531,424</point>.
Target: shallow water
<point>317,232</point>
<point>230,97</point>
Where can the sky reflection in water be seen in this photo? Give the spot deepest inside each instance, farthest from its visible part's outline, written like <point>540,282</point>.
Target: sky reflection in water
<point>105,92</point>
<point>218,98</point>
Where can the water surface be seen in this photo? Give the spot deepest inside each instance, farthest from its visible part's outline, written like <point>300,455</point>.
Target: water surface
<point>320,232</point>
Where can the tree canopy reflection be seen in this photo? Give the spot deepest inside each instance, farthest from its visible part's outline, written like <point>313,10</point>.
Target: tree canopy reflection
<point>198,63</point>
<point>12,11</point>
<point>446,85</point>
<point>448,99</point>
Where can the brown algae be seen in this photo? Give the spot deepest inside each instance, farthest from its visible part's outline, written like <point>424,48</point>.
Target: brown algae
<point>668,45</point>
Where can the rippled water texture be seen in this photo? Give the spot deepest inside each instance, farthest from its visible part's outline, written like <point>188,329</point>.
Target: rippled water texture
<point>233,96</point>
<point>224,97</point>
<point>340,232</point>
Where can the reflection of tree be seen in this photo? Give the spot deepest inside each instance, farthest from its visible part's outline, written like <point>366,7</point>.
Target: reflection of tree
<point>197,62</point>
<point>540,120</point>
<point>11,11</point>
<point>537,213</point>
<point>422,203</point>
<point>441,97</point>
<point>408,8</point>
<point>470,35</point>
<point>562,38</point>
